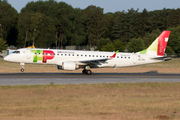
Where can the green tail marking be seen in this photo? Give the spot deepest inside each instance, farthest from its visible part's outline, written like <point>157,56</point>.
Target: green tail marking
<point>152,47</point>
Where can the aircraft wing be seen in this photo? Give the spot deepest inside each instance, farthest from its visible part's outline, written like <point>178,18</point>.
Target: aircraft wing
<point>97,61</point>
<point>94,61</point>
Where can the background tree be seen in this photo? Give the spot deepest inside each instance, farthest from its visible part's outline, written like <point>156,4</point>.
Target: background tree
<point>108,47</point>
<point>64,25</point>
<point>102,42</point>
<point>150,37</point>
<point>118,45</point>
<point>169,51</point>
<point>8,22</point>
<point>44,33</point>
<point>3,45</point>
<point>120,27</point>
<point>135,45</point>
<point>144,23</point>
<point>159,20</point>
<point>173,17</point>
<point>109,23</point>
<point>174,39</point>
<point>24,23</point>
<point>94,24</point>
<point>132,24</point>
<point>78,34</point>
<point>50,23</point>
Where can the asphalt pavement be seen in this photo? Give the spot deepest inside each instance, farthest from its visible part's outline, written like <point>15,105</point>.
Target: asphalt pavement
<point>77,78</point>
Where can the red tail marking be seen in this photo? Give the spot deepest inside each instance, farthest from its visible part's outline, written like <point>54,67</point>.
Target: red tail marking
<point>162,42</point>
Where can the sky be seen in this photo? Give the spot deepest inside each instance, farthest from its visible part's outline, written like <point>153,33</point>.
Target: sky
<point>110,5</point>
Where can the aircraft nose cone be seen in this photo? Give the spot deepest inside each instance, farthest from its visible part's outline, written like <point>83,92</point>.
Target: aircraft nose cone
<point>6,58</point>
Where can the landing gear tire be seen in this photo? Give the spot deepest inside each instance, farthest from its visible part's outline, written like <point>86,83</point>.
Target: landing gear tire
<point>22,70</point>
<point>88,72</point>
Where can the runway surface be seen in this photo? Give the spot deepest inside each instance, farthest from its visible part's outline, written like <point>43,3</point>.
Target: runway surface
<point>77,78</point>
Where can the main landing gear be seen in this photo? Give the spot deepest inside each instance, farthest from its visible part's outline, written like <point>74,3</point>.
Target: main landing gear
<point>87,70</point>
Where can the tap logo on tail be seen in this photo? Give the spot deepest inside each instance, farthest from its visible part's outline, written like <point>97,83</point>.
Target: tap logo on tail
<point>162,42</point>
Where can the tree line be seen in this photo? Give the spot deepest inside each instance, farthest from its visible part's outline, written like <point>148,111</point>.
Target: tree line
<point>57,24</point>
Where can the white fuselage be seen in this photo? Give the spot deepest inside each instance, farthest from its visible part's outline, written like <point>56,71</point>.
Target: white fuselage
<point>57,57</point>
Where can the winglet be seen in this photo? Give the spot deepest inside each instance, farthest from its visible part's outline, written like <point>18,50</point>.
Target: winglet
<point>114,55</point>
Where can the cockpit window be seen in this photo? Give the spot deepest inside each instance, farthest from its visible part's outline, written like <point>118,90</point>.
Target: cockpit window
<point>16,52</point>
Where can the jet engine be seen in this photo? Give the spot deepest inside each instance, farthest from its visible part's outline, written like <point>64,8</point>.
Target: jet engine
<point>68,66</point>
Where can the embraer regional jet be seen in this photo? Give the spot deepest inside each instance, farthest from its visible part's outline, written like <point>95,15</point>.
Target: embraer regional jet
<point>75,59</point>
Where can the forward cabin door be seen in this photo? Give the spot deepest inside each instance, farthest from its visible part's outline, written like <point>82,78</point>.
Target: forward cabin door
<point>28,53</point>
<point>134,58</point>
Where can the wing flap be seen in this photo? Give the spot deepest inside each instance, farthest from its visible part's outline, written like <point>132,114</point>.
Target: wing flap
<point>94,61</point>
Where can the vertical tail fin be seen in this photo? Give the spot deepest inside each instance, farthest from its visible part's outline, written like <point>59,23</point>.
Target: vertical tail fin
<point>158,47</point>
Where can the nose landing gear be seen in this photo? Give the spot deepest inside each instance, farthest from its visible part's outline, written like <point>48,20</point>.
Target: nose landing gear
<point>22,69</point>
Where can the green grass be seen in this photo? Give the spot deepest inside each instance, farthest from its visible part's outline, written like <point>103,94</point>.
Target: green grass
<point>91,101</point>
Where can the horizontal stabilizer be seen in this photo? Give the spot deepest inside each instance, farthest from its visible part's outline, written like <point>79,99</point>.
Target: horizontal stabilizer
<point>163,58</point>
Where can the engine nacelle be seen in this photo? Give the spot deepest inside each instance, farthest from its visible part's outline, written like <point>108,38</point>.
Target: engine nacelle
<point>68,66</point>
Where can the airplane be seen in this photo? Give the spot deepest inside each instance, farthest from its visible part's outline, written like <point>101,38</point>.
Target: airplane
<point>75,59</point>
